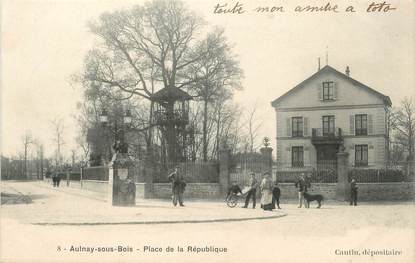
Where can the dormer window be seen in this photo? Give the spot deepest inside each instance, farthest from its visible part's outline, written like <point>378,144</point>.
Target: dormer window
<point>328,90</point>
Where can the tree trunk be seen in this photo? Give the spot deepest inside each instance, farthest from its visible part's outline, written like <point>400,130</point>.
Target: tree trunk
<point>205,117</point>
<point>25,163</point>
<point>171,137</point>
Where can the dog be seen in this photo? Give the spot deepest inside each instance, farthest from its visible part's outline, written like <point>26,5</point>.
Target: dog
<point>309,198</point>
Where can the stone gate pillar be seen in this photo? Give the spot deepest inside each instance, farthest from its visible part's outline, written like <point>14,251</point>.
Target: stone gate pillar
<point>224,158</point>
<point>342,189</point>
<point>266,153</point>
<point>121,186</point>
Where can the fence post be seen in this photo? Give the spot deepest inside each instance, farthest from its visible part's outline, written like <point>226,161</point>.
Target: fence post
<point>266,153</point>
<point>224,158</point>
<point>342,175</point>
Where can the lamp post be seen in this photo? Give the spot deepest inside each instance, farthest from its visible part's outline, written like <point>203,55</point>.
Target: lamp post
<point>121,186</point>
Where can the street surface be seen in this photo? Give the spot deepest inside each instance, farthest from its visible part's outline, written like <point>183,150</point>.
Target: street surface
<point>100,233</point>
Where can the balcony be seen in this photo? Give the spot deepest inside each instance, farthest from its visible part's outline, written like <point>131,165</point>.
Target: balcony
<point>177,117</point>
<point>327,136</point>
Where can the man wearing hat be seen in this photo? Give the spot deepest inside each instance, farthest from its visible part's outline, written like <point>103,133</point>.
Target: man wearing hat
<point>253,185</point>
<point>178,186</point>
<point>302,188</point>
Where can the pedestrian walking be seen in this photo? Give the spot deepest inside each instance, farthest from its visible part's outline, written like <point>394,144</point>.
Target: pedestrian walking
<point>54,179</point>
<point>276,193</point>
<point>266,191</point>
<point>353,192</point>
<point>302,188</point>
<point>253,185</point>
<point>178,186</point>
<point>58,179</point>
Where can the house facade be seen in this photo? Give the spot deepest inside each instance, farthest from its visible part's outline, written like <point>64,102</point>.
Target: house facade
<point>327,112</point>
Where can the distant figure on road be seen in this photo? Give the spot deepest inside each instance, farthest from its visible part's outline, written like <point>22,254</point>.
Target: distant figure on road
<point>58,179</point>
<point>266,191</point>
<point>302,188</point>
<point>276,193</point>
<point>55,179</point>
<point>253,184</point>
<point>353,192</point>
<point>178,186</point>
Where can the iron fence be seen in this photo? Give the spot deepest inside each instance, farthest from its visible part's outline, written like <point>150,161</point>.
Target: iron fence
<point>380,172</point>
<point>193,172</point>
<point>320,172</point>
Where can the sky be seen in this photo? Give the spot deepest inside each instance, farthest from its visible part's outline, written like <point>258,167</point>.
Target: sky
<point>43,42</point>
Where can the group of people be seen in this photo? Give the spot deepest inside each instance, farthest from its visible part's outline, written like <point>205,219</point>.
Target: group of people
<point>303,185</point>
<point>56,179</point>
<point>270,193</point>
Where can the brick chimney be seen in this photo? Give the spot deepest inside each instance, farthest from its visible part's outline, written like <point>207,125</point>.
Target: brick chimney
<point>348,71</point>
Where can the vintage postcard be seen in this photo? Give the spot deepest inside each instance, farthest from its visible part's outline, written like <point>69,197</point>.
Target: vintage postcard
<point>207,131</point>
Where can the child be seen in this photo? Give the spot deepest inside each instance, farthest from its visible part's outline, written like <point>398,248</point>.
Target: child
<point>276,192</point>
<point>234,189</point>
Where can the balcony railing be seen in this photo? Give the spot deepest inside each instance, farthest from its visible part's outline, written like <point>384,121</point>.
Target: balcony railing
<point>320,135</point>
<point>163,117</point>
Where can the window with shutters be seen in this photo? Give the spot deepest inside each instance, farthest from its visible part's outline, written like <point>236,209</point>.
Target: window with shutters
<point>361,124</point>
<point>297,126</point>
<point>297,156</point>
<point>328,90</point>
<point>361,155</point>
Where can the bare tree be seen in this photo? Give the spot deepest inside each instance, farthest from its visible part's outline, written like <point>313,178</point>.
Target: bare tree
<point>403,125</point>
<point>253,125</point>
<point>58,130</point>
<point>27,140</point>
<point>39,159</point>
<point>218,74</point>
<point>147,48</point>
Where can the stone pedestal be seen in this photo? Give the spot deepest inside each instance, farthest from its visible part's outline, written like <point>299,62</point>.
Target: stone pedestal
<point>342,188</point>
<point>121,186</point>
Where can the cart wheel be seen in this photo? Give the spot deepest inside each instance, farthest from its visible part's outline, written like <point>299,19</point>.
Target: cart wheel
<point>232,201</point>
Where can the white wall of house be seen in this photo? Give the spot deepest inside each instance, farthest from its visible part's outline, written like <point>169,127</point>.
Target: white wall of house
<point>350,100</point>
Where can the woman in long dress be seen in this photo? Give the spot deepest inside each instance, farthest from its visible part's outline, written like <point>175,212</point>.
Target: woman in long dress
<point>266,191</point>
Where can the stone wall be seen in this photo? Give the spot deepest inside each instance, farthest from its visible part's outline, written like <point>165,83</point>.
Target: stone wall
<point>386,191</point>
<point>366,192</point>
<point>95,186</point>
<point>193,190</point>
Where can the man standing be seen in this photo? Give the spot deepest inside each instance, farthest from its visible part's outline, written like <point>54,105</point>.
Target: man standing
<point>178,186</point>
<point>302,188</point>
<point>353,191</point>
<point>253,185</point>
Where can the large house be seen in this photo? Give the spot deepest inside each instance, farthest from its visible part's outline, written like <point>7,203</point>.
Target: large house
<point>328,112</point>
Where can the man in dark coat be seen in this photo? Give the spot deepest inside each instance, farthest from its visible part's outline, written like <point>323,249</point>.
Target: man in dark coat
<point>353,192</point>
<point>178,186</point>
<point>276,193</point>
<point>301,185</point>
<point>253,185</point>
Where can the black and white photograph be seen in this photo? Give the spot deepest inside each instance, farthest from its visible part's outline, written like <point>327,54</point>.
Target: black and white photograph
<point>212,131</point>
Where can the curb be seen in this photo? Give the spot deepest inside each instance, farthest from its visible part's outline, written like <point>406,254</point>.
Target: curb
<point>162,222</point>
